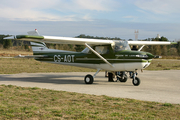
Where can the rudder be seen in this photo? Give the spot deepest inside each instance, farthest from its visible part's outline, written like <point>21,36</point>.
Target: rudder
<point>37,46</point>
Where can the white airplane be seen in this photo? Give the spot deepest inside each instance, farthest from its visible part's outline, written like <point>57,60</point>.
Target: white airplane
<point>109,55</point>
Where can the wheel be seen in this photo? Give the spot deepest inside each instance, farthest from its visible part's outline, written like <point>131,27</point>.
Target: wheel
<point>136,81</point>
<point>88,79</point>
<point>123,80</point>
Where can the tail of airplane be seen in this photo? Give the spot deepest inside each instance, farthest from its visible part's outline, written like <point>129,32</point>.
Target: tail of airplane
<point>37,47</point>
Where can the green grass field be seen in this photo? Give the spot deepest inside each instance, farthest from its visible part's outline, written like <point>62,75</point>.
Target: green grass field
<point>35,103</point>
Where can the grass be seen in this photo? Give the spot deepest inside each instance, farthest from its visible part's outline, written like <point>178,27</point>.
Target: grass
<point>36,103</point>
<point>12,52</point>
<point>164,64</point>
<point>16,65</point>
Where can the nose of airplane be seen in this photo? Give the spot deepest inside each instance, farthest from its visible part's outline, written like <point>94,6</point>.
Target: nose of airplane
<point>150,56</point>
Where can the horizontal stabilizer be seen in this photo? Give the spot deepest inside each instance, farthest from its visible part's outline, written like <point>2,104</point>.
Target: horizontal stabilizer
<point>33,56</point>
<point>9,38</point>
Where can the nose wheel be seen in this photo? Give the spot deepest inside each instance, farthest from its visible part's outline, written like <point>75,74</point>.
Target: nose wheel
<point>136,81</point>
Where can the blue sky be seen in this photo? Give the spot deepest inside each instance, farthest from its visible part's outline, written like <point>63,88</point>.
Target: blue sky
<point>107,18</point>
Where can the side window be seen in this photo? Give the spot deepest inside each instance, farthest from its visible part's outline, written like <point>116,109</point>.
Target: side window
<point>118,48</point>
<point>121,45</point>
<point>101,49</point>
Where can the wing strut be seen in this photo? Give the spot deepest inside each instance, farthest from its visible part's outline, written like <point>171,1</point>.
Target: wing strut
<point>141,48</point>
<point>99,55</point>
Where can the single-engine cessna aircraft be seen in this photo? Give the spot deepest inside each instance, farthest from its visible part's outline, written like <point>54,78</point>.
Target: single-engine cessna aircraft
<point>109,55</point>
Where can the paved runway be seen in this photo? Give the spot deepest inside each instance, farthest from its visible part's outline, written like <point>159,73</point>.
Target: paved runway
<point>160,86</point>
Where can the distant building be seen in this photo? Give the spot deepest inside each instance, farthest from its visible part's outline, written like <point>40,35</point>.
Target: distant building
<point>158,36</point>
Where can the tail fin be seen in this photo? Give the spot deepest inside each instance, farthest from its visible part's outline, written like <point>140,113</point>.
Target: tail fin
<point>35,33</point>
<point>37,46</point>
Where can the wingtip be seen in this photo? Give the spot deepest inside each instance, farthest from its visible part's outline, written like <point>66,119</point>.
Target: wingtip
<point>173,42</point>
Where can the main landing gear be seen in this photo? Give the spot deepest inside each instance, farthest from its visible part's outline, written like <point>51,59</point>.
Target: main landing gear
<point>89,79</point>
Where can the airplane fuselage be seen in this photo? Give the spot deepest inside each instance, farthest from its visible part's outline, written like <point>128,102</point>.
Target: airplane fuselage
<point>122,61</point>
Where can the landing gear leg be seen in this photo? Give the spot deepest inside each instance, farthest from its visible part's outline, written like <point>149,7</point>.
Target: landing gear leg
<point>136,81</point>
<point>89,79</point>
<point>110,77</point>
<point>122,77</point>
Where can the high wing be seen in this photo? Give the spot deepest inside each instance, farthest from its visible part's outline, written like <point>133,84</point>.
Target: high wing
<point>60,40</point>
<point>80,41</point>
<point>150,43</point>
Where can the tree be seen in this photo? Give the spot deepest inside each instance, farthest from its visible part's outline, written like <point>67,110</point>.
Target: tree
<point>164,50</point>
<point>157,50</point>
<point>79,48</point>
<point>164,39</point>
<point>7,44</point>
<point>178,48</point>
<point>173,51</point>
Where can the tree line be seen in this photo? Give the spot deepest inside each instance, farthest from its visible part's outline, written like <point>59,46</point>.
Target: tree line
<point>164,50</point>
<point>7,44</point>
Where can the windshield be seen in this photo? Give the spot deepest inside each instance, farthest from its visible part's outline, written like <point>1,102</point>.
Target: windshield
<point>121,45</point>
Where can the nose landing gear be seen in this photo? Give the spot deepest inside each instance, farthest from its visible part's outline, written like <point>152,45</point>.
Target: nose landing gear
<point>135,80</point>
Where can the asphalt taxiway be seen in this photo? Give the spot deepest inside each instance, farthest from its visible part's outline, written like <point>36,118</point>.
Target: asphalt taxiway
<point>158,86</point>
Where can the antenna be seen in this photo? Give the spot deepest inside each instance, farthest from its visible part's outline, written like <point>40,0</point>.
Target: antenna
<point>136,32</point>
<point>105,36</point>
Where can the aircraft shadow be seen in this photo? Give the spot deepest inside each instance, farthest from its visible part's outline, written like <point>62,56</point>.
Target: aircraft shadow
<point>57,79</point>
<point>43,78</point>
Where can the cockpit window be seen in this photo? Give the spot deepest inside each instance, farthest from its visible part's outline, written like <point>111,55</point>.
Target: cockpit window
<point>101,49</point>
<point>121,45</point>
<point>98,49</point>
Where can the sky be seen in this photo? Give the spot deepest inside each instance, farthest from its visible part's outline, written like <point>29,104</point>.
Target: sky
<point>105,18</point>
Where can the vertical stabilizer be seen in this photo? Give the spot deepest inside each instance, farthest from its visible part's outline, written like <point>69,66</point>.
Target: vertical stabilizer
<point>35,33</point>
<point>37,47</point>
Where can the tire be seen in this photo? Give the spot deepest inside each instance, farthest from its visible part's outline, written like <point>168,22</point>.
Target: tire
<point>88,79</point>
<point>123,80</point>
<point>136,81</point>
